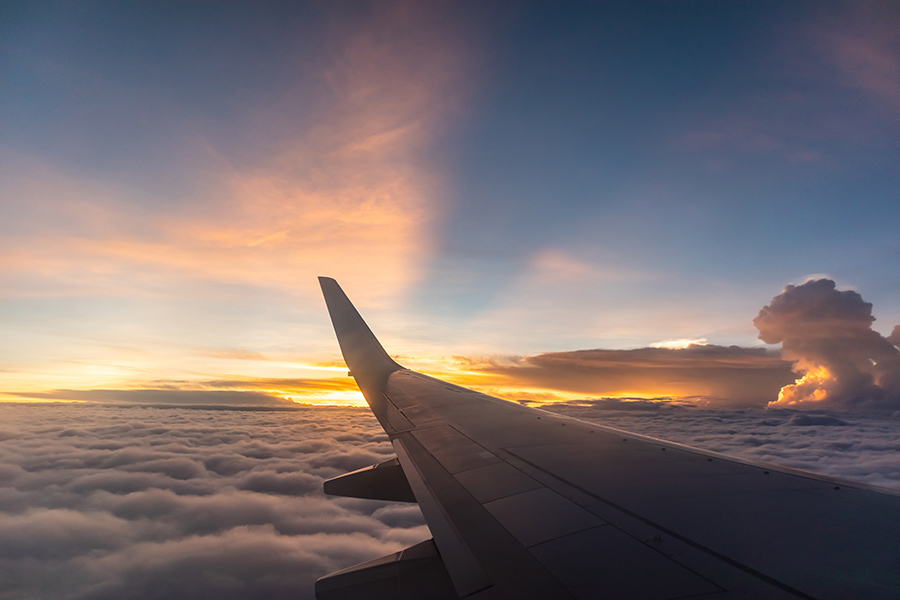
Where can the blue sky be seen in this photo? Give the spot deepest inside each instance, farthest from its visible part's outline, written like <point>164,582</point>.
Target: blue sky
<point>483,178</point>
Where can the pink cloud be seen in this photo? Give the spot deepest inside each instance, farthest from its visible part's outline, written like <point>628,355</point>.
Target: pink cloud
<point>863,44</point>
<point>802,103</point>
<point>350,195</point>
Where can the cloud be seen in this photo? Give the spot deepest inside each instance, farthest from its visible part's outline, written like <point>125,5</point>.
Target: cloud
<point>682,343</point>
<point>625,404</point>
<point>803,420</point>
<point>554,266</point>
<point>832,81</point>
<point>726,375</point>
<point>272,393</point>
<point>828,336</point>
<point>349,190</point>
<point>110,501</point>
<point>827,339</point>
<point>158,396</point>
<point>894,338</point>
<point>329,384</point>
<point>863,45</point>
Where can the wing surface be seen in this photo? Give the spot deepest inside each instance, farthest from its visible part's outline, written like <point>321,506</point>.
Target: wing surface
<point>523,503</point>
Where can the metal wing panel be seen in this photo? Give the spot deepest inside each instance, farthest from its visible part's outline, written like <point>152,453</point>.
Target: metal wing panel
<point>543,516</point>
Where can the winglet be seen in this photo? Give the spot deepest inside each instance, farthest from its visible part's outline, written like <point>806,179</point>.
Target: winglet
<point>362,351</point>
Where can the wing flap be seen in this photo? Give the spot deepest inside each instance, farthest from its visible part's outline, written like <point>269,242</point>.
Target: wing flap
<point>465,571</point>
<point>416,573</point>
<point>384,481</point>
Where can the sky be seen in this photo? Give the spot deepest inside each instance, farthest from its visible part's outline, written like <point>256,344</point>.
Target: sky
<point>676,218</point>
<point>498,186</point>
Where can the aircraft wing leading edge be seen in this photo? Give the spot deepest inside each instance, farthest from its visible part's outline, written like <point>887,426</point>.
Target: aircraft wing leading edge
<point>523,503</point>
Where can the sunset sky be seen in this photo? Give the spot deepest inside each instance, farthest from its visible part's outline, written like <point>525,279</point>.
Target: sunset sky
<point>496,185</point>
<point>680,219</point>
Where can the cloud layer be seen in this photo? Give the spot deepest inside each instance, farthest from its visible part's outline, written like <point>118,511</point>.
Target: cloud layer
<point>102,502</point>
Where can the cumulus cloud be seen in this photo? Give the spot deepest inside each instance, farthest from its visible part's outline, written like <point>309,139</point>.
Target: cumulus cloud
<point>110,501</point>
<point>828,335</point>
<point>725,375</point>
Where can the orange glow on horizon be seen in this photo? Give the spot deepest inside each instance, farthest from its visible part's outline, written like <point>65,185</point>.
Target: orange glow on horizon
<point>327,391</point>
<point>507,388</point>
<point>326,385</point>
<point>348,398</point>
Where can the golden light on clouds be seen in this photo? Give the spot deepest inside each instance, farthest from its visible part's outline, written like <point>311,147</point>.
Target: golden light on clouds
<point>679,344</point>
<point>811,387</point>
<point>245,391</point>
<point>523,379</point>
<point>326,391</point>
<point>728,375</point>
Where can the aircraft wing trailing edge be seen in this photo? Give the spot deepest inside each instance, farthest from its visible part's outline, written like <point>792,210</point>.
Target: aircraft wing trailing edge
<point>526,504</point>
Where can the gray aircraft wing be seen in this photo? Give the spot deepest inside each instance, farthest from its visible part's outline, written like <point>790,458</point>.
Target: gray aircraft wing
<point>524,504</point>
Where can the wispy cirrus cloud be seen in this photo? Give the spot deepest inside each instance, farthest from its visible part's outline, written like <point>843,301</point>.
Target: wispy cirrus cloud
<point>831,78</point>
<point>863,46</point>
<point>350,193</point>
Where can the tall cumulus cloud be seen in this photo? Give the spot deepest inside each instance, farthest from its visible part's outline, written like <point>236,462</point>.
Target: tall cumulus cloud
<point>841,360</point>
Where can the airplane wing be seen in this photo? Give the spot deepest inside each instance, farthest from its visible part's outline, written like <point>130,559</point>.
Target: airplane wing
<point>523,504</point>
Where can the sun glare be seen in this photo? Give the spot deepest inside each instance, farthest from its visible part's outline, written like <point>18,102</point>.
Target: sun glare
<point>680,344</point>
<point>310,367</point>
<point>337,398</point>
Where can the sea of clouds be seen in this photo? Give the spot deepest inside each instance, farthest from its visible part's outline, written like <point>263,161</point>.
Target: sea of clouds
<point>123,501</point>
<point>100,501</point>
